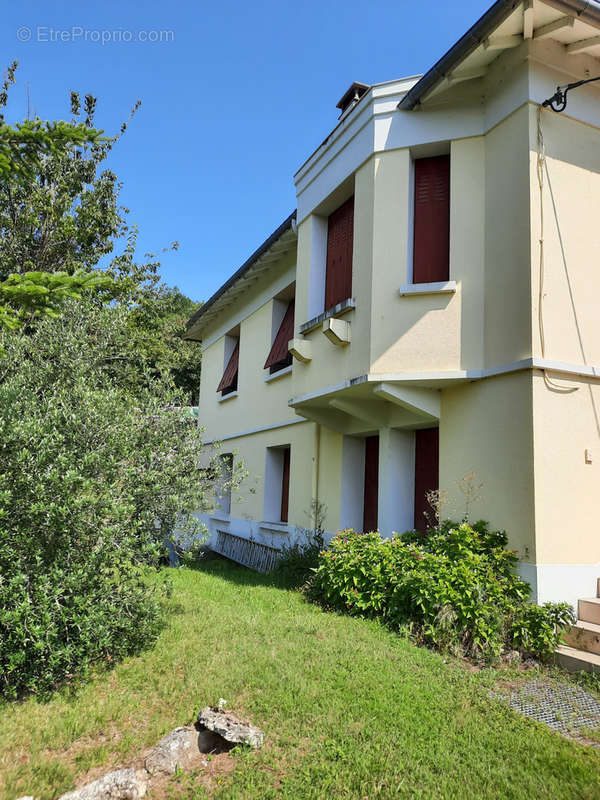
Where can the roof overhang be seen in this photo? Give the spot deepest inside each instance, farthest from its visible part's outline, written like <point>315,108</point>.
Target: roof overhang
<point>279,243</point>
<point>505,25</point>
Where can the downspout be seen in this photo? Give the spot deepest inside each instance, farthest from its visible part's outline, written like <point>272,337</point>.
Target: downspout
<point>315,475</point>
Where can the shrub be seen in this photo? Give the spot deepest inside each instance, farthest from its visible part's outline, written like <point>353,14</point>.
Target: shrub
<point>95,472</point>
<point>454,587</point>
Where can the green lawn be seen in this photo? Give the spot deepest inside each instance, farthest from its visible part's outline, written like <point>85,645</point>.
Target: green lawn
<point>349,709</point>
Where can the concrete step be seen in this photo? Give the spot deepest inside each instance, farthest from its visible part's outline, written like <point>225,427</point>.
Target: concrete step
<point>584,636</point>
<point>574,660</point>
<point>588,610</point>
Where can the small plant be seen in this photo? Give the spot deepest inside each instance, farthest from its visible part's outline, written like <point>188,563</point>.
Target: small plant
<point>437,499</point>
<point>297,560</point>
<point>471,491</point>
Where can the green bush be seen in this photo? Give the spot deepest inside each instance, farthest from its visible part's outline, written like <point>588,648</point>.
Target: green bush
<point>455,588</point>
<point>96,470</point>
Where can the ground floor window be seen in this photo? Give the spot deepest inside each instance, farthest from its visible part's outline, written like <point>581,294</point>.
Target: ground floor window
<point>224,482</point>
<point>277,484</point>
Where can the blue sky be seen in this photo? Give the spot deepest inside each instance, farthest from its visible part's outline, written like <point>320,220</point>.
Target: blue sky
<point>232,103</point>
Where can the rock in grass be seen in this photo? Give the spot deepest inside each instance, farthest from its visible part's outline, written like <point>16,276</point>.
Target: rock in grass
<point>229,727</point>
<point>122,784</point>
<point>180,748</point>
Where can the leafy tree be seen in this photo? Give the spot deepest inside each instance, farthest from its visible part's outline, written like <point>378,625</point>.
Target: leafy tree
<point>60,216</point>
<point>96,471</point>
<point>24,149</point>
<point>157,325</point>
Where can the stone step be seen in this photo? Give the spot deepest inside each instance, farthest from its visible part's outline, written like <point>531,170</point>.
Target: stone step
<point>584,636</point>
<point>588,610</point>
<point>574,660</point>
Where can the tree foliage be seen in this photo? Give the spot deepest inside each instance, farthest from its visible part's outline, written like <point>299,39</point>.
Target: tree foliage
<point>96,471</point>
<point>61,219</point>
<point>98,456</point>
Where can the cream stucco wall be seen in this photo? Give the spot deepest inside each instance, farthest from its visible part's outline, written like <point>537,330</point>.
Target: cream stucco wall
<point>566,424</point>
<point>571,277</point>
<point>507,311</point>
<point>428,332</point>
<point>247,501</point>
<point>486,427</point>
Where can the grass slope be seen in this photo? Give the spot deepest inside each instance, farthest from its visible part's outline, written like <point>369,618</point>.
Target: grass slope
<point>349,709</point>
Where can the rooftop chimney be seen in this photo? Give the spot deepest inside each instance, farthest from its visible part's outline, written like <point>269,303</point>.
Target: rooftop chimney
<point>351,97</point>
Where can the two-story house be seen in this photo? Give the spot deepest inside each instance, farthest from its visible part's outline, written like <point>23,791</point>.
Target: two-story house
<point>430,310</point>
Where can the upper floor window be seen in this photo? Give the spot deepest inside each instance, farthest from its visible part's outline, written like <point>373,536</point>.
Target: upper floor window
<point>279,357</point>
<point>338,270</point>
<point>431,244</point>
<point>229,381</point>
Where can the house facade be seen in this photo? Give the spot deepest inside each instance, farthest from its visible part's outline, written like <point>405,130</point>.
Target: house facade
<point>430,312</point>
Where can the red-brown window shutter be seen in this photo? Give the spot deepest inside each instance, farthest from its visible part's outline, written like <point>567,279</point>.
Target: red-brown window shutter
<point>431,245</point>
<point>371,498</point>
<point>229,380</point>
<point>427,448</point>
<point>285,485</point>
<point>340,238</point>
<point>279,356</point>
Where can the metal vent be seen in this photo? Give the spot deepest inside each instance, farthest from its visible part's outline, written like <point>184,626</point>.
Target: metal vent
<point>259,557</point>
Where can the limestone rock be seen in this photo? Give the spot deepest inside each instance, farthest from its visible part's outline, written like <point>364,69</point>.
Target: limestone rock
<point>229,727</point>
<point>122,784</point>
<point>180,748</point>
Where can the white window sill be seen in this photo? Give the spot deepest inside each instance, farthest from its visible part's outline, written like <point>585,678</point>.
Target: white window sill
<point>225,397</point>
<point>443,287</point>
<point>279,374</point>
<point>222,517</point>
<point>277,527</point>
<point>336,311</point>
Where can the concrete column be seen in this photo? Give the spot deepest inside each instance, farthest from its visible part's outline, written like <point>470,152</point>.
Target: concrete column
<point>396,480</point>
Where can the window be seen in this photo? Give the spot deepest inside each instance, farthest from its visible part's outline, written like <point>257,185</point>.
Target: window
<point>277,484</point>
<point>279,357</point>
<point>229,381</point>
<point>338,270</point>
<point>431,243</point>
<point>223,489</point>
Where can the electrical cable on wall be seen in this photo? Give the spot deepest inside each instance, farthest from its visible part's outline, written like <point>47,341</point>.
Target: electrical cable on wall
<point>542,168</point>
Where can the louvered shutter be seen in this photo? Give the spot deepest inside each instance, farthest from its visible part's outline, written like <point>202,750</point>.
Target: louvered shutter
<point>371,496</point>
<point>427,448</point>
<point>340,237</point>
<point>432,220</point>
<point>230,376</point>
<point>279,356</point>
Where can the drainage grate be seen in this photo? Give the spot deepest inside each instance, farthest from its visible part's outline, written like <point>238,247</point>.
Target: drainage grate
<point>253,555</point>
<point>564,708</point>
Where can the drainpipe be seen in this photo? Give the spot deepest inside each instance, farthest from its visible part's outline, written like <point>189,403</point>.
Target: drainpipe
<point>315,474</point>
